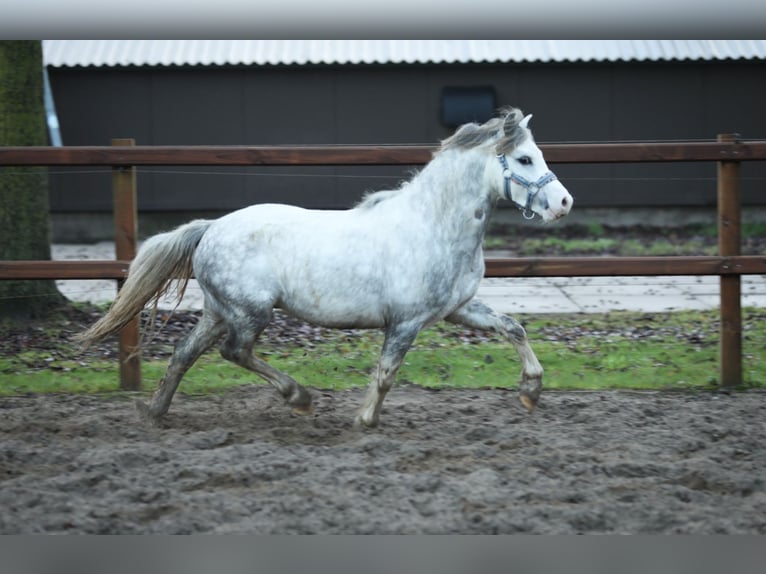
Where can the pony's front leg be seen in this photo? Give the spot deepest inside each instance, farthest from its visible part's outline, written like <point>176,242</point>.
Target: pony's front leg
<point>477,315</point>
<point>398,340</point>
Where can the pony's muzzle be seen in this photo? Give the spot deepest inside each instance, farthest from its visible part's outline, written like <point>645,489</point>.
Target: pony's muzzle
<point>560,203</point>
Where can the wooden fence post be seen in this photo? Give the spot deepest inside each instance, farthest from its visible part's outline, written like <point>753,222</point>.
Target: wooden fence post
<point>729,244</point>
<point>125,243</point>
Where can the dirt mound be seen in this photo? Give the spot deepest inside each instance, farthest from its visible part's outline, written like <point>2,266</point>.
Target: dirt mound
<point>448,461</point>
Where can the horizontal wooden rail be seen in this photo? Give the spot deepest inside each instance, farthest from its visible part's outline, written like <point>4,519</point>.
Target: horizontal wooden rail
<point>495,267</point>
<point>72,269</point>
<point>218,155</point>
<point>624,266</point>
<point>640,152</point>
<point>728,152</point>
<point>335,155</point>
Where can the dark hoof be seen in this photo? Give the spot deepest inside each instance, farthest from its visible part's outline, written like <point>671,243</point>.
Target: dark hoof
<point>301,402</point>
<point>145,413</point>
<point>528,402</point>
<point>304,411</point>
<point>360,424</point>
<point>529,392</point>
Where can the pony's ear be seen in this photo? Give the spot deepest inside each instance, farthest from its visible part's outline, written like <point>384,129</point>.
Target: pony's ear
<point>512,120</point>
<point>523,123</point>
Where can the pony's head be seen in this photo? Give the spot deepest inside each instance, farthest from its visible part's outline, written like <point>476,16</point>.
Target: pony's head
<point>521,174</point>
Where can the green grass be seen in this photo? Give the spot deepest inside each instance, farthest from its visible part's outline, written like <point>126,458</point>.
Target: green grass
<point>754,228</point>
<point>598,352</point>
<point>568,246</point>
<point>664,247</point>
<point>594,238</point>
<point>493,242</point>
<point>628,247</point>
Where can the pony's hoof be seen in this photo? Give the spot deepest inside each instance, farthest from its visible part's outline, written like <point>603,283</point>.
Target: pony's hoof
<point>361,424</point>
<point>304,411</point>
<point>529,391</point>
<point>301,402</point>
<point>528,402</point>
<point>145,413</point>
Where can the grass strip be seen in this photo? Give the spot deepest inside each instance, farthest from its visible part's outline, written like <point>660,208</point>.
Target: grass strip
<point>642,351</point>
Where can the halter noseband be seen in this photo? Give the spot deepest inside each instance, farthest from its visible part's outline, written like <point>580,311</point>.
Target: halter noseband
<point>532,187</point>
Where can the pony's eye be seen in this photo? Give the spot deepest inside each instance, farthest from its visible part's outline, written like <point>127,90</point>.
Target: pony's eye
<point>524,160</point>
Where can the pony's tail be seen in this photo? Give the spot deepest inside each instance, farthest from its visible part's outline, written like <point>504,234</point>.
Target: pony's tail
<point>162,259</point>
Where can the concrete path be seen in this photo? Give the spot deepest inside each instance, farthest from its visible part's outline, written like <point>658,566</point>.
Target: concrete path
<point>513,295</point>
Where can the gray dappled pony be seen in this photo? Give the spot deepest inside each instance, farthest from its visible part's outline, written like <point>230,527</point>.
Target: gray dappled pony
<point>400,261</point>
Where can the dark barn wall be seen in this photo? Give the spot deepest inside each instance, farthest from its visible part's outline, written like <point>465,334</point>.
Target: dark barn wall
<point>397,104</point>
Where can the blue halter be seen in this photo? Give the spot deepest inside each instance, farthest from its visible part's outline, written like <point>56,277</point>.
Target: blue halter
<point>532,187</point>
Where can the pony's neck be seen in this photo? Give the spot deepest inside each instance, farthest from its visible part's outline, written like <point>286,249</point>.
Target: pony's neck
<point>453,185</point>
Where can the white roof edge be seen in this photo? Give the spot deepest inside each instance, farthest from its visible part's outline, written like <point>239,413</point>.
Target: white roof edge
<point>111,53</point>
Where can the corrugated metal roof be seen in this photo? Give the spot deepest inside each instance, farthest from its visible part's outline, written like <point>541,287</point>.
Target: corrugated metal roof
<point>58,53</point>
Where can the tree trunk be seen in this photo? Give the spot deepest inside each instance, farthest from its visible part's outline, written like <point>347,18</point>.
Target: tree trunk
<point>24,222</point>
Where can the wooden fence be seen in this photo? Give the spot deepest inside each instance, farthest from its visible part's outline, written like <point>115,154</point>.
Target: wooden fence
<point>123,156</point>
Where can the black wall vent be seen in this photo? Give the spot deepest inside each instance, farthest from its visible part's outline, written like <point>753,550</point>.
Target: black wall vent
<point>461,105</point>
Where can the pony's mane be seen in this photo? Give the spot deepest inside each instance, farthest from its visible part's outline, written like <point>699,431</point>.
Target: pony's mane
<point>504,132</point>
<point>373,198</point>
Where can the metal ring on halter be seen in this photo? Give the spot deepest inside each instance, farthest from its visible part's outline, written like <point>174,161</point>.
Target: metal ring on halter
<point>532,187</point>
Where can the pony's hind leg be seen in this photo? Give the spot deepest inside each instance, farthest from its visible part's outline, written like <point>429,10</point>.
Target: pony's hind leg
<point>398,340</point>
<point>187,351</point>
<point>477,315</point>
<point>238,348</point>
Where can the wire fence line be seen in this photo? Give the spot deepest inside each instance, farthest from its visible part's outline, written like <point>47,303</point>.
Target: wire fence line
<point>728,152</point>
<point>324,175</point>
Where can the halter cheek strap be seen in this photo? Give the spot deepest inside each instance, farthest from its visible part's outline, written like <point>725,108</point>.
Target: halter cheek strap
<point>532,187</point>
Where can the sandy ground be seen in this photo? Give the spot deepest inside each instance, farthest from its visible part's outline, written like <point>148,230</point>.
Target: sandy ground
<point>447,461</point>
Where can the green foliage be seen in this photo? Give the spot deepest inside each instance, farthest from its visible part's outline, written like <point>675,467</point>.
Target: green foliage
<point>664,247</point>
<point>627,247</point>
<point>549,245</point>
<point>610,351</point>
<point>596,229</point>
<point>598,239</point>
<point>753,229</point>
<point>491,242</point>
